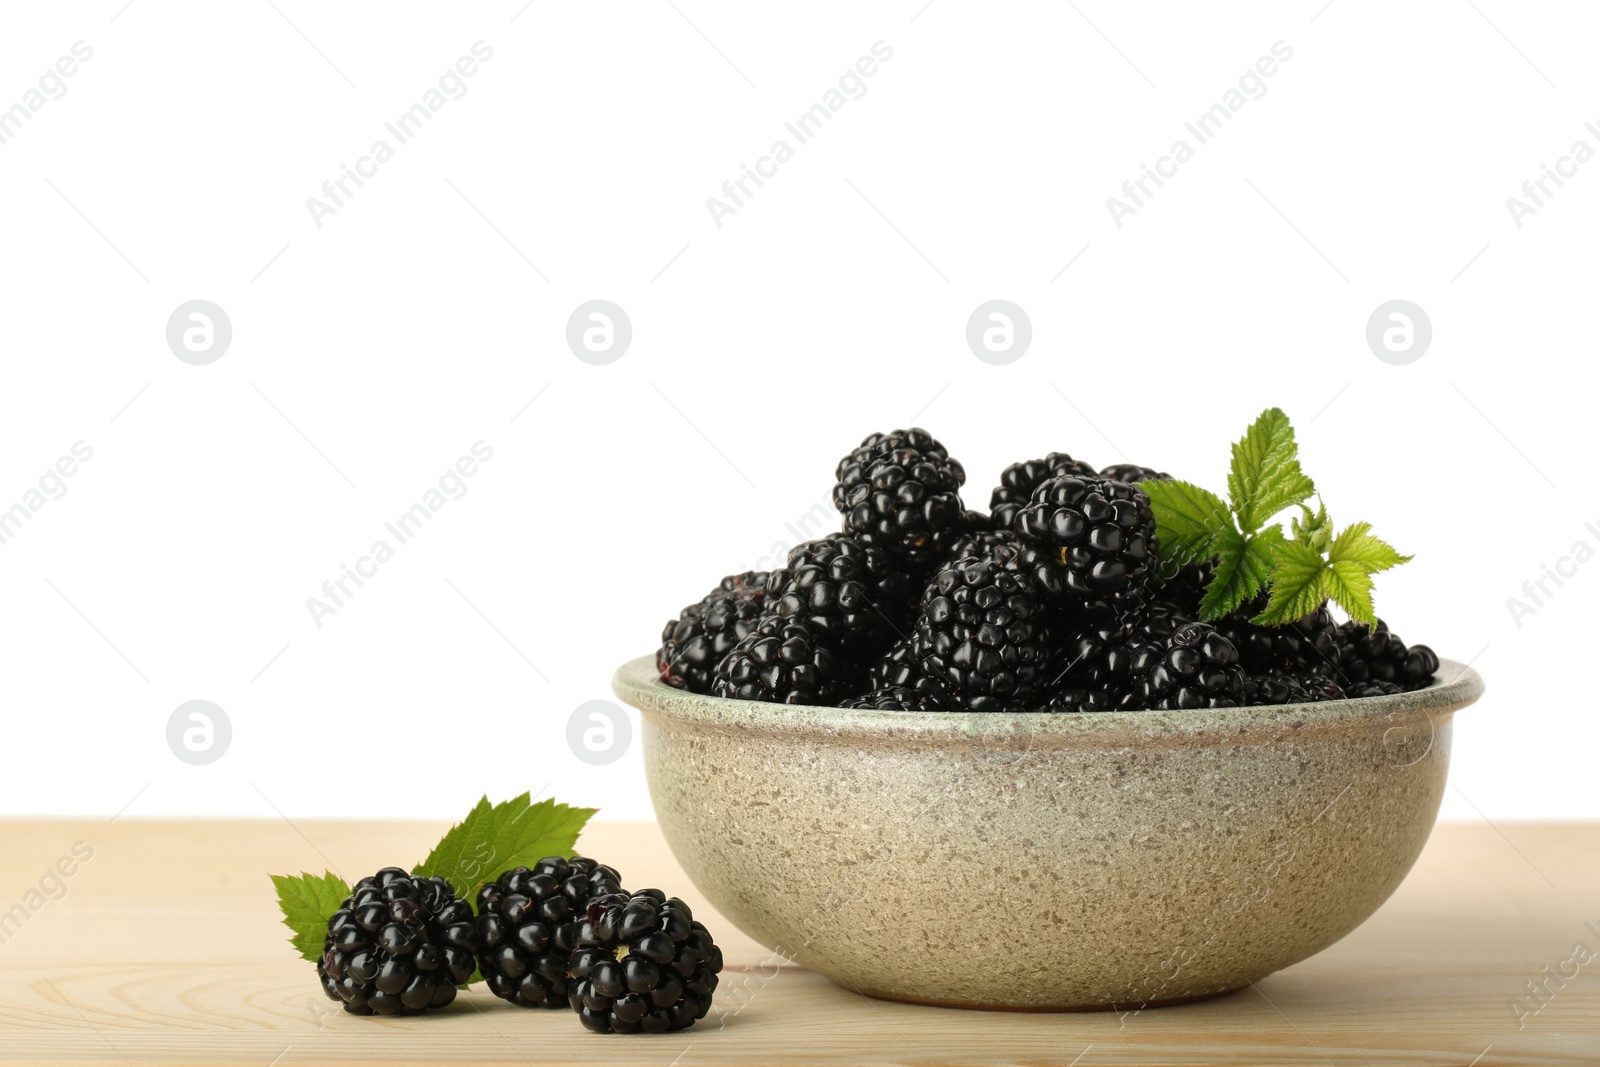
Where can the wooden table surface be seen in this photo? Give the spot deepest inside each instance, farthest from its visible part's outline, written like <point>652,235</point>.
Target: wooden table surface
<point>165,947</point>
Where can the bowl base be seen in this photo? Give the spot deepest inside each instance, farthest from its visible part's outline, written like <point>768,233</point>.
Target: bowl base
<point>974,1005</point>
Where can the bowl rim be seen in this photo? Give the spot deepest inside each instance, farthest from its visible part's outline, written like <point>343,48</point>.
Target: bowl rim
<point>1455,685</point>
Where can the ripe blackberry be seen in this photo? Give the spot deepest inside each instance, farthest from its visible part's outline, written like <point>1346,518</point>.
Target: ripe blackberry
<point>1376,689</point>
<point>901,491</point>
<point>528,925</point>
<point>981,635</point>
<point>1101,533</point>
<point>1037,564</point>
<point>1132,473</point>
<point>398,945</point>
<point>1018,481</point>
<point>1071,701</point>
<point>898,668</point>
<point>694,642</point>
<point>1379,655</point>
<point>783,661</point>
<point>1289,689</point>
<point>853,594</point>
<point>897,698</point>
<point>643,964</point>
<point>1307,645</point>
<point>1178,663</point>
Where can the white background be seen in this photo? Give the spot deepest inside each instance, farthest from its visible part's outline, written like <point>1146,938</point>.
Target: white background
<point>369,353</point>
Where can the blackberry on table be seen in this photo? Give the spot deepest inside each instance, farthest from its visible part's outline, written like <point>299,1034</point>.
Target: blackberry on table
<point>853,594</point>
<point>783,661</point>
<point>897,698</point>
<point>981,635</point>
<point>643,964</point>
<point>1018,481</point>
<point>1132,473</point>
<point>704,632</point>
<point>398,945</point>
<point>1101,532</point>
<point>528,924</point>
<point>901,491</point>
<point>1379,655</point>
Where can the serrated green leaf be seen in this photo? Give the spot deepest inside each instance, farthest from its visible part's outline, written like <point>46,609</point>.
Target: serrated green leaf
<point>1316,531</point>
<point>1350,586</point>
<point>307,900</point>
<point>493,839</point>
<point>1265,476</point>
<point>1297,586</point>
<point>1243,566</point>
<point>1189,520</point>
<point>1355,544</point>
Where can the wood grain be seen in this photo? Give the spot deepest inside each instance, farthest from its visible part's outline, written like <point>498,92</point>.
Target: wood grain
<point>166,949</point>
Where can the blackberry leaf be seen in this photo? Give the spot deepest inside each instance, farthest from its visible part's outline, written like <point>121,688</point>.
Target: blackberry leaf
<point>1316,533</point>
<point>1355,544</point>
<point>1189,520</point>
<point>1298,586</point>
<point>1244,564</point>
<point>517,833</point>
<point>1265,475</point>
<point>307,900</point>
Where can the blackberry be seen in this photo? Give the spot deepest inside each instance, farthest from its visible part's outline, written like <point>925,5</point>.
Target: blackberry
<point>1378,655</point>
<point>898,668</point>
<point>901,491</point>
<point>398,945</point>
<point>897,698</point>
<point>643,964</point>
<point>528,925</point>
<point>783,661</point>
<point>1290,689</point>
<point>1307,645</point>
<point>1038,565</point>
<point>852,593</point>
<point>1178,663</point>
<point>1376,689</point>
<point>694,642</point>
<point>981,635</point>
<point>1018,481</point>
<point>1079,700</point>
<point>1132,473</point>
<point>1101,533</point>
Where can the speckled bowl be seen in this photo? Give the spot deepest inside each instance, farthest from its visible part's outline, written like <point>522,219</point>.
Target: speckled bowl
<point>1047,862</point>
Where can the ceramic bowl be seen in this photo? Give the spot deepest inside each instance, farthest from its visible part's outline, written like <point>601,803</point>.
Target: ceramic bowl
<point>1046,862</point>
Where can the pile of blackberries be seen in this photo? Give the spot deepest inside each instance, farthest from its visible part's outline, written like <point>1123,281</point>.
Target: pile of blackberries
<point>561,934</point>
<point>1056,600</point>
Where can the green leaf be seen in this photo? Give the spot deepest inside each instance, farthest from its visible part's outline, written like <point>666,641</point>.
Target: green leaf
<point>1316,532</point>
<point>1355,544</point>
<point>1298,587</point>
<point>307,900</point>
<point>1265,475</point>
<point>1243,566</point>
<point>1350,586</point>
<point>1189,520</point>
<point>495,839</point>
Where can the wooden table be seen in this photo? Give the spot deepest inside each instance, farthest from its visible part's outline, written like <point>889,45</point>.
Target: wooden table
<point>166,948</point>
